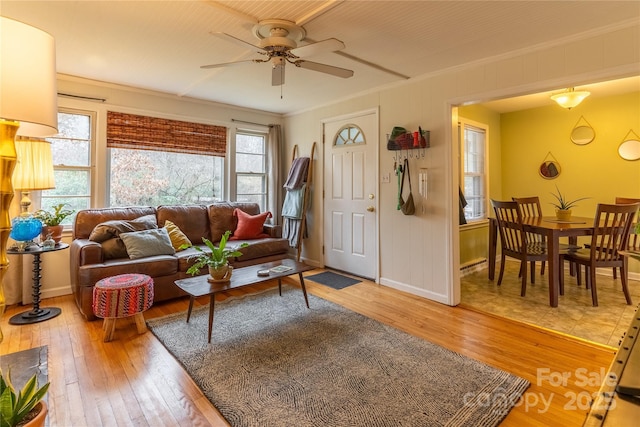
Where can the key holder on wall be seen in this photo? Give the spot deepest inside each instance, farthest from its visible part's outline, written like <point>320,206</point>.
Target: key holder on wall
<point>550,167</point>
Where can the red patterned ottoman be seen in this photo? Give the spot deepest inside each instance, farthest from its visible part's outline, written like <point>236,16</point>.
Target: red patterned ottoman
<point>124,295</point>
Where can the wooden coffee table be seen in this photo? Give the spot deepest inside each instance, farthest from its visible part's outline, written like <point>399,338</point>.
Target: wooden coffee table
<point>200,285</point>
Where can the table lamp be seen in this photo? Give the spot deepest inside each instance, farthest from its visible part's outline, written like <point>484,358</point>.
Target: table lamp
<point>33,171</point>
<point>28,106</point>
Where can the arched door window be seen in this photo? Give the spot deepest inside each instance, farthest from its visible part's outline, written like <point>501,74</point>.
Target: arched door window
<point>349,135</point>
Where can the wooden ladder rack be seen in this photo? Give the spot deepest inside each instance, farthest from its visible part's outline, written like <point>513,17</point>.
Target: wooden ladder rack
<point>305,198</point>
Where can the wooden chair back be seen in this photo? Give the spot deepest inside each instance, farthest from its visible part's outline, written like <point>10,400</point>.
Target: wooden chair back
<point>512,235</point>
<point>634,239</point>
<point>612,226</point>
<point>528,206</point>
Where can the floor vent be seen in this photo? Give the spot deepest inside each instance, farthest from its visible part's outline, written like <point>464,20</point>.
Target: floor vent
<point>473,266</point>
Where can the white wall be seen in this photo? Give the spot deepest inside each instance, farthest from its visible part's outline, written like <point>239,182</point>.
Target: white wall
<point>419,254</point>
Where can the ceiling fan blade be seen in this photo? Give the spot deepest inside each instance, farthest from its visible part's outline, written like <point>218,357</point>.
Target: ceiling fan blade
<point>324,68</point>
<point>229,37</point>
<point>227,64</point>
<point>277,75</point>
<point>329,45</point>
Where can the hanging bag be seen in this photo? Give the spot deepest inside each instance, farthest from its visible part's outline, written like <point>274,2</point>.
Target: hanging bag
<point>408,207</point>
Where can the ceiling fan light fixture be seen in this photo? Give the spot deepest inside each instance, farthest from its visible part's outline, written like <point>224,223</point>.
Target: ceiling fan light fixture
<point>570,98</point>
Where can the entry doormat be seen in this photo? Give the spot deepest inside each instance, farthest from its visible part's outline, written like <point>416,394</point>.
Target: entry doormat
<point>274,362</point>
<point>333,280</point>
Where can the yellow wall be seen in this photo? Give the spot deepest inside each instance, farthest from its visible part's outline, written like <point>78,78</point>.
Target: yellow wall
<point>594,170</point>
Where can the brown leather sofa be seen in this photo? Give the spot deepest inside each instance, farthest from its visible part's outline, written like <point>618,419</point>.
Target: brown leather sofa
<point>88,263</point>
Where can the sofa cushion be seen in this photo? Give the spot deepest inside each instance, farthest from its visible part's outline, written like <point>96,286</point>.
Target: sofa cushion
<point>110,229</point>
<point>146,243</point>
<point>221,217</point>
<point>87,219</point>
<point>262,248</point>
<point>249,226</point>
<point>187,257</point>
<point>108,234</point>
<point>178,238</point>
<point>192,220</point>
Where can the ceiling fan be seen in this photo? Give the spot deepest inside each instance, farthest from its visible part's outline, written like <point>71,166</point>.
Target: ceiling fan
<point>279,44</point>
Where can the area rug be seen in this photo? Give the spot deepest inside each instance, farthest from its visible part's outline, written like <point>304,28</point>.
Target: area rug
<point>333,280</point>
<point>273,362</point>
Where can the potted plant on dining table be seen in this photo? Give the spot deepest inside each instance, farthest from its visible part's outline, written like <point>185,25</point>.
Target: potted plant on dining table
<point>563,205</point>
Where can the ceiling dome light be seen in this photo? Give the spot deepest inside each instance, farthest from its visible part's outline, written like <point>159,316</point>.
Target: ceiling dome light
<point>570,98</point>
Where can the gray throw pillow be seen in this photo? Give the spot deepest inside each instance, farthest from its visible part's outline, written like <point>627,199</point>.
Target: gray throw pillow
<point>146,243</point>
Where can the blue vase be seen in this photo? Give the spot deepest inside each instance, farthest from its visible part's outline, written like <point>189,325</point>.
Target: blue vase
<point>24,229</point>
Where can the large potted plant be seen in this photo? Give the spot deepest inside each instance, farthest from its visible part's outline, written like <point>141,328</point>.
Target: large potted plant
<point>51,221</point>
<point>563,206</point>
<point>26,408</point>
<point>217,259</point>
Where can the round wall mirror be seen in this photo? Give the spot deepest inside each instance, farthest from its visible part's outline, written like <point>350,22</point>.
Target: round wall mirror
<point>582,135</point>
<point>630,149</point>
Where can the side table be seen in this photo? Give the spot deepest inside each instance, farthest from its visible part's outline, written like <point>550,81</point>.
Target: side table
<point>37,314</point>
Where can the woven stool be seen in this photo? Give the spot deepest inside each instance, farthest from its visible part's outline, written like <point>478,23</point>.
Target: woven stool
<point>124,295</point>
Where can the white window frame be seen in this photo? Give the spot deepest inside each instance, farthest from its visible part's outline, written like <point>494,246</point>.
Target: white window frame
<point>234,174</point>
<point>89,168</point>
<point>462,125</point>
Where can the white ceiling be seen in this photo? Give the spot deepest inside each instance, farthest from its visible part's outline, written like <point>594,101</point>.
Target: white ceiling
<point>160,45</point>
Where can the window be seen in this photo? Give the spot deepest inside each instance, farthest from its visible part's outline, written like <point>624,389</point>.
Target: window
<point>251,168</point>
<point>71,149</point>
<point>474,170</point>
<point>349,134</point>
<point>155,161</point>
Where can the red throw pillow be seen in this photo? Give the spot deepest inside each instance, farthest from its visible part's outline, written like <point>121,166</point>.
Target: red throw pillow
<point>249,226</point>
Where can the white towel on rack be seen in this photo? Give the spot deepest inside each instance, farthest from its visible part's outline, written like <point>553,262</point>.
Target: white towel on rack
<point>293,200</point>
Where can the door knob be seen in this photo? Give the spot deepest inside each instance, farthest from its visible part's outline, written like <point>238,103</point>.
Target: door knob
<point>370,209</point>
<point>371,196</point>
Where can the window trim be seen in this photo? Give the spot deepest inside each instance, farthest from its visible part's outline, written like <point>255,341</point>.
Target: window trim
<point>233,174</point>
<point>90,168</point>
<point>462,124</point>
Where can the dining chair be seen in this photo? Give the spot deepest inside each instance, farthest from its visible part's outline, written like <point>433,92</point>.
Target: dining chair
<point>611,230</point>
<point>633,242</point>
<point>634,239</point>
<point>530,207</point>
<point>515,242</point>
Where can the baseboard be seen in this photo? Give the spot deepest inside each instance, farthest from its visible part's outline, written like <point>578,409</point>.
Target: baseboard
<point>415,291</point>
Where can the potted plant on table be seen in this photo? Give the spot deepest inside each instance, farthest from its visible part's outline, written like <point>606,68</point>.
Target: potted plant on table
<point>563,206</point>
<point>51,221</point>
<point>217,260</point>
<point>27,408</point>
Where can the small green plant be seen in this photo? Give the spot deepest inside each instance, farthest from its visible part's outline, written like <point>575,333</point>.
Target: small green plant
<point>13,409</point>
<point>564,204</point>
<point>55,216</point>
<point>218,256</point>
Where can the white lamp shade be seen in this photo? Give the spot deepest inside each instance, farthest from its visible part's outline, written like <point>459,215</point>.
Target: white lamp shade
<point>28,86</point>
<point>34,168</point>
<point>570,98</point>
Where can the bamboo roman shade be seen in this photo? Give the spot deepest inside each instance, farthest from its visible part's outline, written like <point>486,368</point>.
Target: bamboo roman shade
<point>151,133</point>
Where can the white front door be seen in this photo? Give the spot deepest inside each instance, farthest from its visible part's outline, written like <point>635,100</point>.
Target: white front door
<point>351,194</point>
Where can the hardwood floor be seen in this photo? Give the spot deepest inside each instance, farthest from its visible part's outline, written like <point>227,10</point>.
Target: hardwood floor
<point>134,381</point>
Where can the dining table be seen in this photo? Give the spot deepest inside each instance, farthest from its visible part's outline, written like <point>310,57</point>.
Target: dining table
<point>553,229</point>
